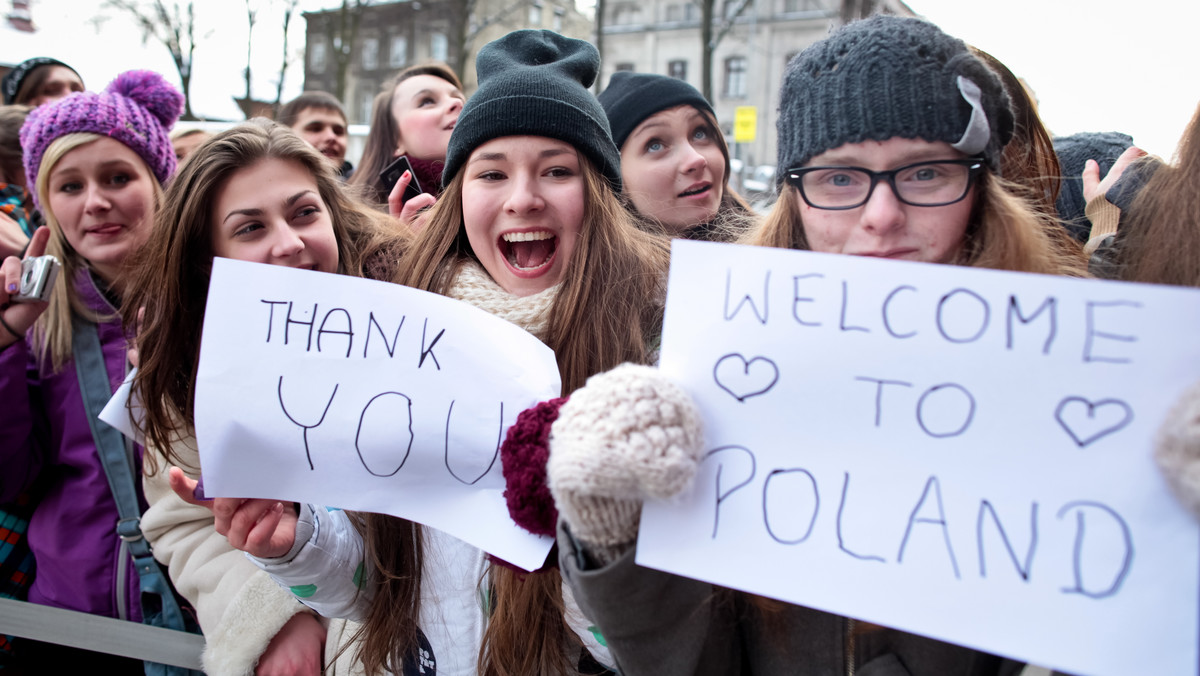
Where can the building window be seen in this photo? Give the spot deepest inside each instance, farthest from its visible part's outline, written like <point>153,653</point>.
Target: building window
<point>677,69</point>
<point>398,54</point>
<point>730,8</point>
<point>691,12</point>
<point>735,77</point>
<point>316,59</point>
<point>370,53</point>
<point>366,103</point>
<point>674,13</point>
<point>558,19</point>
<point>801,5</point>
<point>625,66</point>
<point>535,14</point>
<point>438,47</point>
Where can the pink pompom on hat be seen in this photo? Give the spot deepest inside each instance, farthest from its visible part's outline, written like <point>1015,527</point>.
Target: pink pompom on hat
<point>138,109</point>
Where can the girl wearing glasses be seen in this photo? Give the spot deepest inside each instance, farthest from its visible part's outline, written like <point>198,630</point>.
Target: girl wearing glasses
<point>911,168</point>
<point>890,137</point>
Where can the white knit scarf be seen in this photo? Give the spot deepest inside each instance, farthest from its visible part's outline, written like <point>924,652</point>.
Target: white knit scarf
<point>474,285</point>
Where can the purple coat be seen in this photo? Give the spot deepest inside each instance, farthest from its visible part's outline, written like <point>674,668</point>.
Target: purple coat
<point>45,438</point>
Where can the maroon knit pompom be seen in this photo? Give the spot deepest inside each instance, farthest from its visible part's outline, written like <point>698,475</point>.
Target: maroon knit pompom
<point>523,457</point>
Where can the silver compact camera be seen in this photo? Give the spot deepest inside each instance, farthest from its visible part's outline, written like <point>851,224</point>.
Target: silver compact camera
<point>37,279</point>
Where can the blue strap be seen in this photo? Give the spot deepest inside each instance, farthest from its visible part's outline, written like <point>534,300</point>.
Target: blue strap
<point>116,458</point>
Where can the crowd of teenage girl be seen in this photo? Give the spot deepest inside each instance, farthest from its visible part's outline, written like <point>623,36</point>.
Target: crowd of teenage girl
<point>552,208</point>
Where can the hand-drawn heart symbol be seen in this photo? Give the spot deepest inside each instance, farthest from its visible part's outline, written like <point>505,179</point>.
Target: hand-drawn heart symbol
<point>1101,428</point>
<point>733,374</point>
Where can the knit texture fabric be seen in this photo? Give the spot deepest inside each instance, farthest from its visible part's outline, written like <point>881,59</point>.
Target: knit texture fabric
<point>1073,153</point>
<point>138,109</point>
<point>886,77</point>
<point>523,457</point>
<point>11,84</point>
<point>627,435</point>
<point>632,97</point>
<point>1178,449</point>
<point>473,285</point>
<point>535,83</point>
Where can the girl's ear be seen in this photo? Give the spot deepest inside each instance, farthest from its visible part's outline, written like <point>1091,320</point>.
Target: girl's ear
<point>399,149</point>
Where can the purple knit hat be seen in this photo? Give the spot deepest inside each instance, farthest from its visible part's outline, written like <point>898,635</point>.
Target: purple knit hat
<point>138,109</point>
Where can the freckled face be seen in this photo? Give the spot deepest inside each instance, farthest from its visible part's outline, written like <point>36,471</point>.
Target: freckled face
<point>523,209</point>
<point>673,168</point>
<point>886,227</point>
<point>272,212</point>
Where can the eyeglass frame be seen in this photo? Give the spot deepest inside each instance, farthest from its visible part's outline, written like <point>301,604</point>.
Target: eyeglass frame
<point>795,178</point>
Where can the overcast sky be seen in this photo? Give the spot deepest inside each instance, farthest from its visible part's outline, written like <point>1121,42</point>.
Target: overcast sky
<point>1096,65</point>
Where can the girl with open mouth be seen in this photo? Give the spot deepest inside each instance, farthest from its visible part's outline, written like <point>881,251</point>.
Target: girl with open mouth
<point>528,227</point>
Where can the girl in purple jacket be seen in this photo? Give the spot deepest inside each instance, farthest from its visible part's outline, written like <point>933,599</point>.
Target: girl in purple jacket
<point>96,163</point>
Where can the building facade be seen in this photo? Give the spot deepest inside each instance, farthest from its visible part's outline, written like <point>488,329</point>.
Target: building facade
<point>394,35</point>
<point>664,36</point>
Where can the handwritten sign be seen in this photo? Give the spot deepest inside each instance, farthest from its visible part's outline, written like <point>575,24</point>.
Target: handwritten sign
<point>959,453</point>
<point>365,395</point>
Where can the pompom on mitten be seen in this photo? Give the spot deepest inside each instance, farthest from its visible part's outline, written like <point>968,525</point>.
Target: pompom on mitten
<point>627,435</point>
<point>523,457</point>
<point>1178,449</point>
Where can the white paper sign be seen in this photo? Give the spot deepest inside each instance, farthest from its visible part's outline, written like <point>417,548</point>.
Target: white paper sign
<point>365,395</point>
<point>959,453</point>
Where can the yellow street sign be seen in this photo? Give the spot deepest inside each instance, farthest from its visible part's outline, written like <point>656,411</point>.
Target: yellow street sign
<point>745,124</point>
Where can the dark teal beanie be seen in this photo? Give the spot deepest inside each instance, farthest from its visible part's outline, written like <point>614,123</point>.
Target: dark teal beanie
<point>535,83</point>
<point>632,97</point>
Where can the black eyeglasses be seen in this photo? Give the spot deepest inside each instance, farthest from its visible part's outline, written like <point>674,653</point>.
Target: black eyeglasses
<point>923,184</point>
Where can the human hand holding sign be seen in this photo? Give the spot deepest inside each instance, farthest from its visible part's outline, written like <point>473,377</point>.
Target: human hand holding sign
<point>261,527</point>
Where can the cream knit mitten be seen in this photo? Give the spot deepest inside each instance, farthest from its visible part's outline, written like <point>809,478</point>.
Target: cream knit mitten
<point>627,435</point>
<point>1178,449</point>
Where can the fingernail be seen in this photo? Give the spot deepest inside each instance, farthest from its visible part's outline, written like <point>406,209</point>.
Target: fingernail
<point>12,288</point>
<point>198,491</point>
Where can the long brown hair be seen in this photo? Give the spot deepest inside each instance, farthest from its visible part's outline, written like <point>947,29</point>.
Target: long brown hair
<point>1160,243</point>
<point>384,136</point>
<point>607,311</point>
<point>1004,232</point>
<point>1029,160</point>
<point>169,276</point>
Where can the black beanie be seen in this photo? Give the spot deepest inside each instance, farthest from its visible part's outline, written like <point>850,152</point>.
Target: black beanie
<point>11,84</point>
<point>535,83</point>
<point>632,97</point>
<point>885,77</point>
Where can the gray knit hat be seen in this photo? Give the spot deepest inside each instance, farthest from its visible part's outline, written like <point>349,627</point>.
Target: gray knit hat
<point>632,97</point>
<point>535,83</point>
<point>885,77</point>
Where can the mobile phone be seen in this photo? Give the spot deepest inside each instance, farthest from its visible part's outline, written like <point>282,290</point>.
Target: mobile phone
<point>392,173</point>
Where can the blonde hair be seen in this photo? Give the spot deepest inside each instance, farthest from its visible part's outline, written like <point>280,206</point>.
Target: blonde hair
<point>608,310</point>
<point>52,331</point>
<point>1004,232</point>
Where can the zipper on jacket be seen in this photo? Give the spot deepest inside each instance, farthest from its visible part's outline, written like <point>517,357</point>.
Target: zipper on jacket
<point>122,571</point>
<point>850,646</point>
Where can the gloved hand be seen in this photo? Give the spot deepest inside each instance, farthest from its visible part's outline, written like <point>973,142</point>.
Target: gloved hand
<point>1178,449</point>
<point>627,435</point>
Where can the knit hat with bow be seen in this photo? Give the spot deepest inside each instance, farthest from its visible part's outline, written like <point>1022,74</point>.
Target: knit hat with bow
<point>887,77</point>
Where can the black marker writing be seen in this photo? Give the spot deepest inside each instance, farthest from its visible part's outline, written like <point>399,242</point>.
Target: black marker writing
<point>1077,560</point>
<point>306,428</point>
<point>986,507</point>
<point>934,486</point>
<point>790,492</point>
